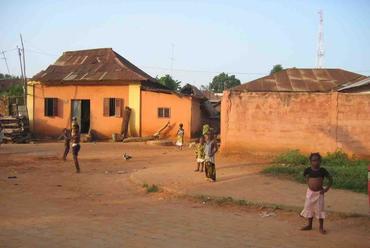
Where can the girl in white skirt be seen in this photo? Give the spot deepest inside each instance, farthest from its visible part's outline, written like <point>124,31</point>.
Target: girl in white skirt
<point>180,137</point>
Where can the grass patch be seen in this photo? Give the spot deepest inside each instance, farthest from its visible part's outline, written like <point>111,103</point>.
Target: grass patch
<point>151,188</point>
<point>224,201</point>
<point>348,173</point>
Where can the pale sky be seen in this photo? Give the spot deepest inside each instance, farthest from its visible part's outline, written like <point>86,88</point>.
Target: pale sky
<point>245,38</point>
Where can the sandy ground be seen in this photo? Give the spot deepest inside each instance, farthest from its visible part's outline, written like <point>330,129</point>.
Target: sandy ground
<point>48,205</point>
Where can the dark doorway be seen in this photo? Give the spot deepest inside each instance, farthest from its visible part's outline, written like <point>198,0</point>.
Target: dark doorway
<point>81,110</point>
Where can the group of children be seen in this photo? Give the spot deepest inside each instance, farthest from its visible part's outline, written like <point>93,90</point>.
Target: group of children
<point>205,151</point>
<point>314,175</point>
<point>205,160</point>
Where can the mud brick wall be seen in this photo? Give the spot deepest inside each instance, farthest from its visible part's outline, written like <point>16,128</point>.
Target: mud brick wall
<point>353,132</point>
<point>278,121</point>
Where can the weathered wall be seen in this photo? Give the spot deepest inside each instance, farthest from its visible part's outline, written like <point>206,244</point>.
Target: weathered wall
<point>180,112</point>
<point>273,122</point>
<point>52,126</point>
<point>196,118</point>
<point>354,123</point>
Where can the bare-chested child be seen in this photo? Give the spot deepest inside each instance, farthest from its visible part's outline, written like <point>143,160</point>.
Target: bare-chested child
<point>199,154</point>
<point>66,135</point>
<point>314,204</point>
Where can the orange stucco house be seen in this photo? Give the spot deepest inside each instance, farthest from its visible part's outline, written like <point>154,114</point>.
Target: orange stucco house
<point>95,86</point>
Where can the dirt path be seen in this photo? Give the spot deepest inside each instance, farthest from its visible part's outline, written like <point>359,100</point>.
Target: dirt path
<point>48,205</point>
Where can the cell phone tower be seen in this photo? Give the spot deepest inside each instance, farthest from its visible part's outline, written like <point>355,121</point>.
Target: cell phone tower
<point>320,45</point>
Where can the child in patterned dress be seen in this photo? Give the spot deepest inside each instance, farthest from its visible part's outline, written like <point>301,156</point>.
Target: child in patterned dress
<point>200,155</point>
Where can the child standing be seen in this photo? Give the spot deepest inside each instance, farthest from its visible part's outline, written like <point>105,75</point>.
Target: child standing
<point>75,138</point>
<point>210,149</point>
<point>314,204</point>
<point>180,137</point>
<point>67,139</point>
<point>200,155</point>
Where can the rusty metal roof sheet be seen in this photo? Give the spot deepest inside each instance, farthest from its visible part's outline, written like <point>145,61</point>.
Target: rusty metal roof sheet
<point>94,65</point>
<point>301,80</point>
<point>358,84</point>
<point>211,96</point>
<point>193,91</point>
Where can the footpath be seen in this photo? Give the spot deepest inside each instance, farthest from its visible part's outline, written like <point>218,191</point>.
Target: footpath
<point>241,179</point>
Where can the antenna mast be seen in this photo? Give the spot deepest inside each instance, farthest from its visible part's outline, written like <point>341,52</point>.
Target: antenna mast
<point>320,45</point>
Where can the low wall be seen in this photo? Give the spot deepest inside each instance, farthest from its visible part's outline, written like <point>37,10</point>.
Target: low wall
<point>278,121</point>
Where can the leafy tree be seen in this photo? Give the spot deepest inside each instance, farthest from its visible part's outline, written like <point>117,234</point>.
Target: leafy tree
<point>222,82</point>
<point>13,90</point>
<point>169,82</point>
<point>204,87</point>
<point>7,76</point>
<point>16,89</point>
<point>276,68</point>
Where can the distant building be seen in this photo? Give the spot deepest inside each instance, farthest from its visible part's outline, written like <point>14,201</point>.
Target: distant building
<point>95,86</point>
<point>307,109</point>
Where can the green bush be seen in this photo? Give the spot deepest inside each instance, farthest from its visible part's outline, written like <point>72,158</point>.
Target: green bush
<point>292,157</point>
<point>348,173</point>
<point>151,188</point>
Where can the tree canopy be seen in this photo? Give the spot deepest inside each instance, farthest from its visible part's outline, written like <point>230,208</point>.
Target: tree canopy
<point>7,76</point>
<point>276,68</point>
<point>222,82</point>
<point>169,82</point>
<point>15,89</point>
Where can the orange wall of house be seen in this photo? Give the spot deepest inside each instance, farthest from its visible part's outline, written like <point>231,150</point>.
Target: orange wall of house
<point>52,126</point>
<point>274,122</point>
<point>180,108</point>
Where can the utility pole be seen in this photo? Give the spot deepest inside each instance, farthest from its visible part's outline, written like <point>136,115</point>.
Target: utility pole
<point>320,45</point>
<point>6,62</point>
<point>24,73</point>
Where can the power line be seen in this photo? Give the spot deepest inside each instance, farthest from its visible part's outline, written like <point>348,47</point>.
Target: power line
<point>6,62</point>
<point>9,50</point>
<point>41,52</point>
<point>202,71</point>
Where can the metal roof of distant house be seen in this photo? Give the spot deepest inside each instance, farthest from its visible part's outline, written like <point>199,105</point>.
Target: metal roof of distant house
<point>361,84</point>
<point>301,80</point>
<point>94,65</point>
<point>212,97</point>
<point>193,91</point>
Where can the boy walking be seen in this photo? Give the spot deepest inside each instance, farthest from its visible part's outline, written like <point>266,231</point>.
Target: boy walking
<point>67,139</point>
<point>75,139</point>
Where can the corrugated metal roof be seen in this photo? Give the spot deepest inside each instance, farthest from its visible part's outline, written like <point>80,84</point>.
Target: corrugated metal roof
<point>101,64</point>
<point>212,97</point>
<point>193,91</point>
<point>358,84</point>
<point>301,80</point>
